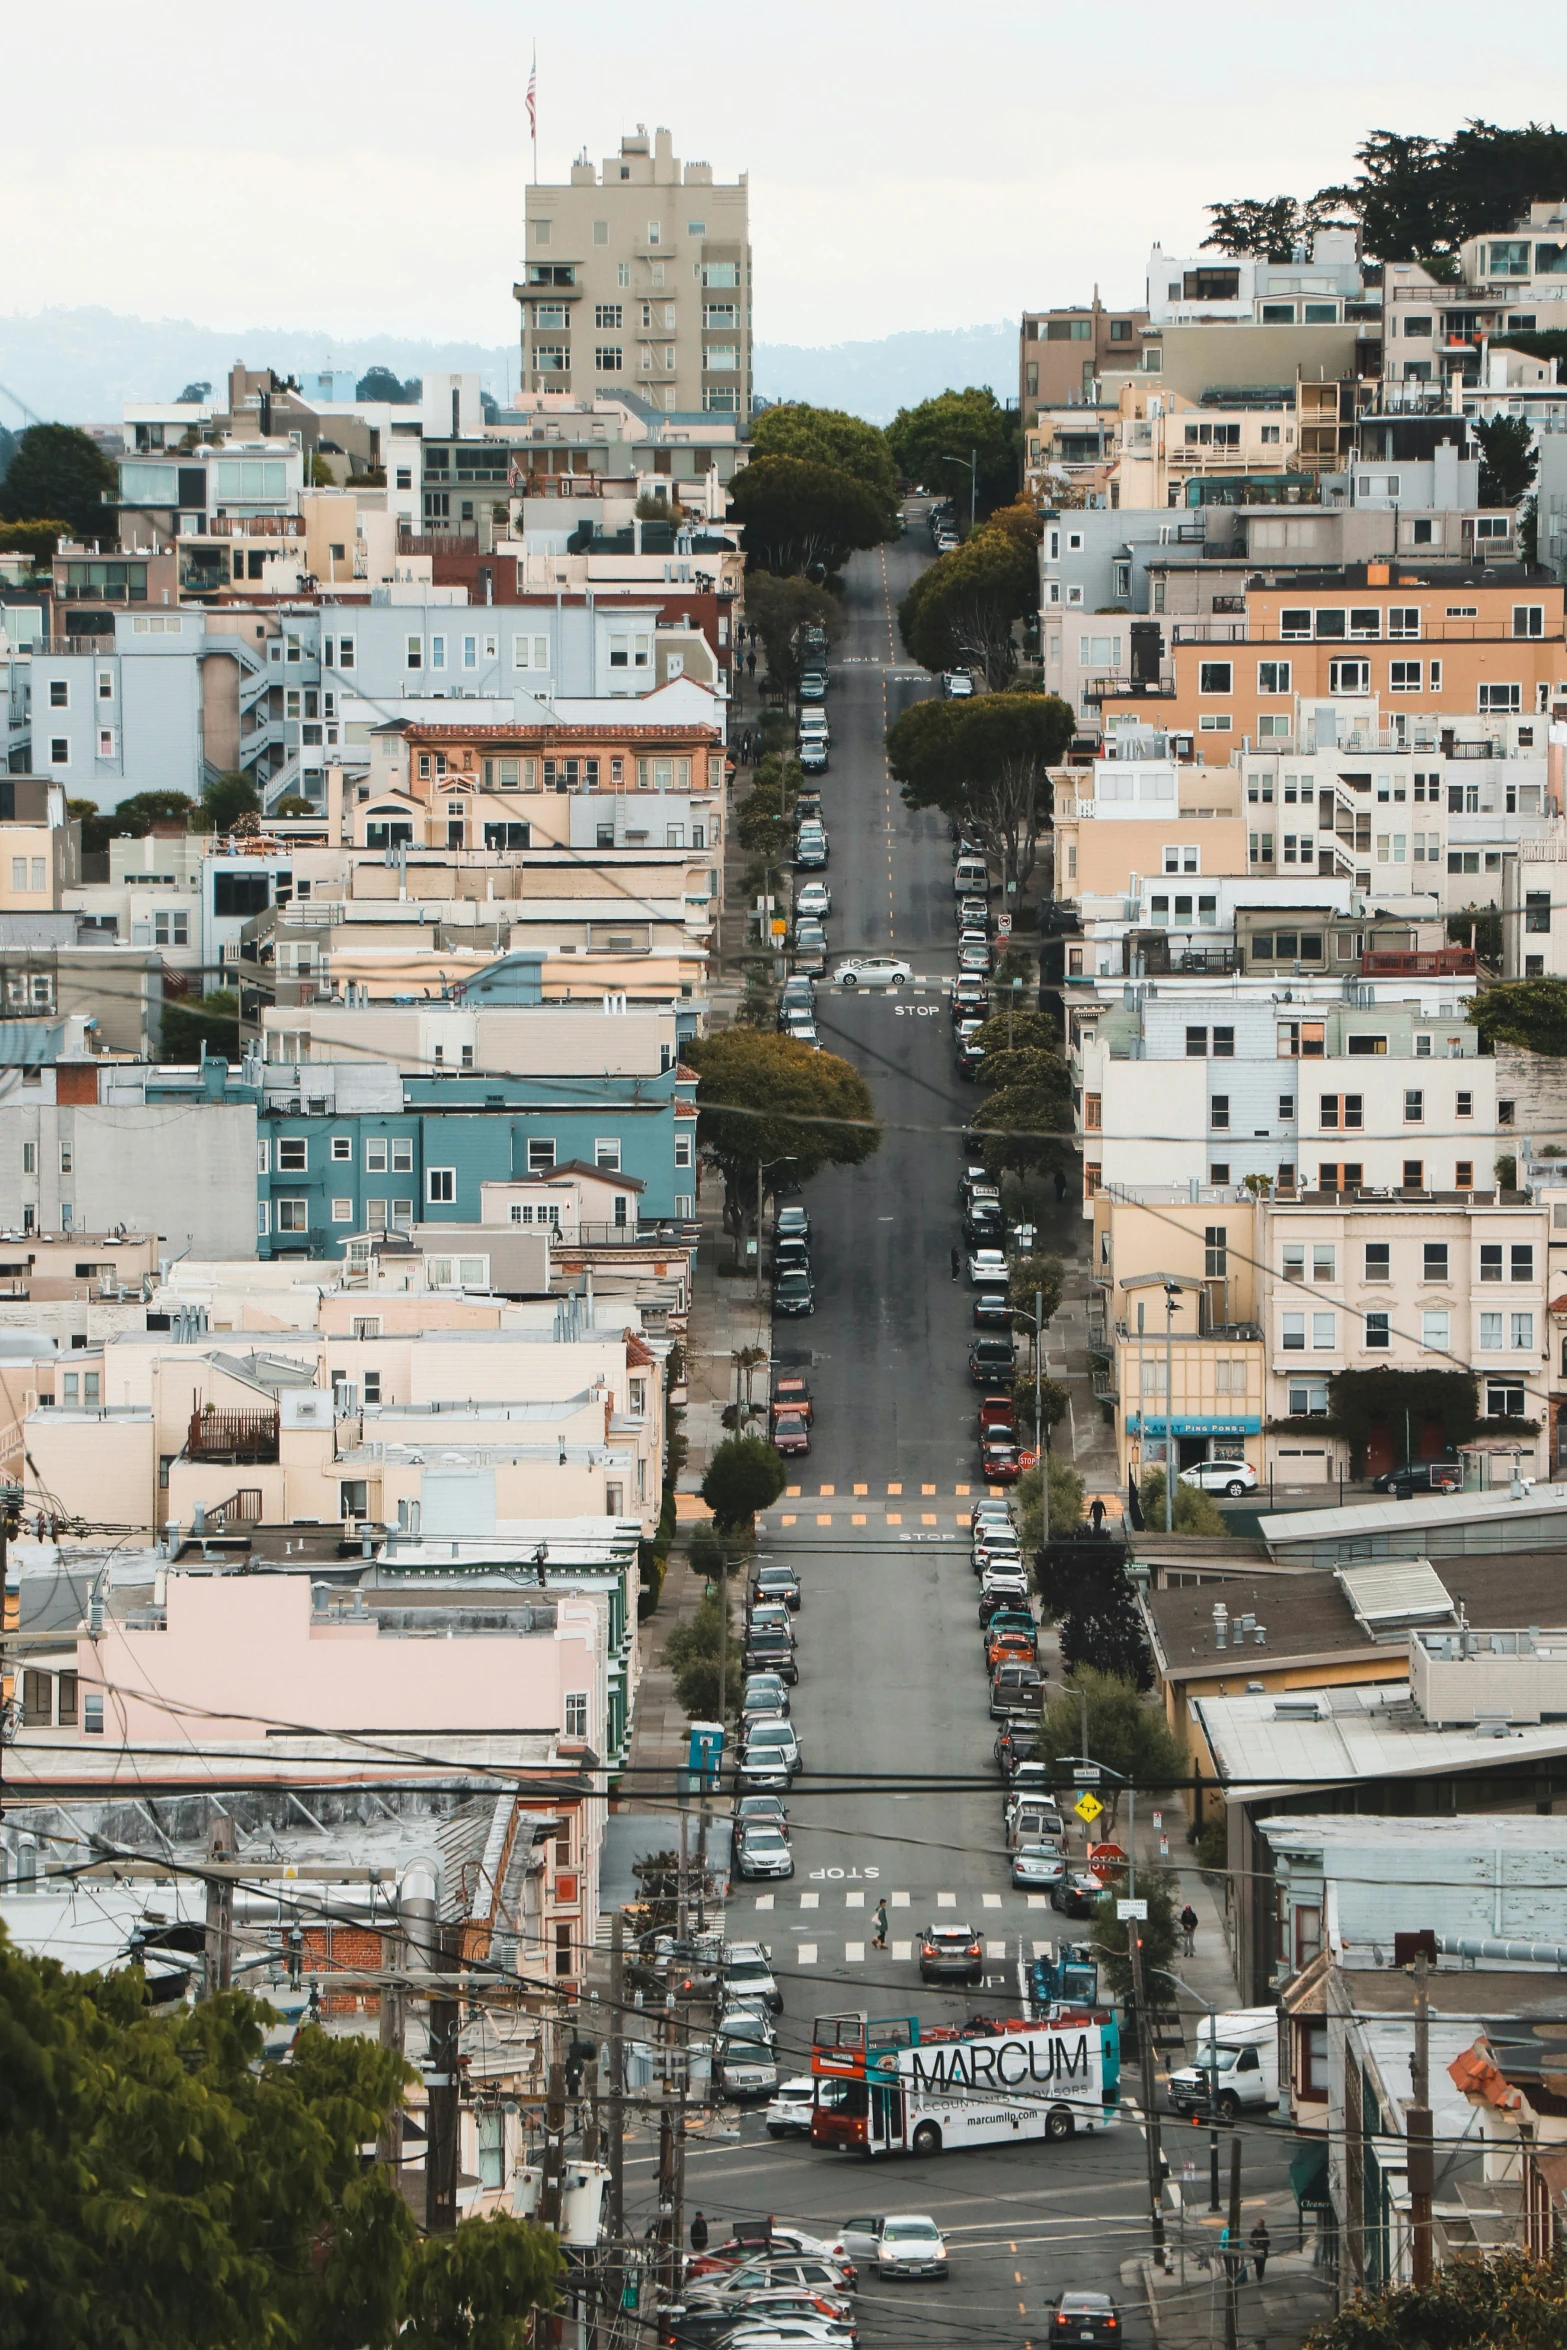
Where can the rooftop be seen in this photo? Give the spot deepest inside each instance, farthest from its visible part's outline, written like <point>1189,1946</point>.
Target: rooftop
<point>1267,1744</point>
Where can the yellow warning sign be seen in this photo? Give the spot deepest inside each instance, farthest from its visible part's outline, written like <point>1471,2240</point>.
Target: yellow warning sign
<point>1088,1807</point>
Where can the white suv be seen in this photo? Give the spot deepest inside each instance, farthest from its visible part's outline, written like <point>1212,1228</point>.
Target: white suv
<point>1230,1477</point>
<point>872,971</point>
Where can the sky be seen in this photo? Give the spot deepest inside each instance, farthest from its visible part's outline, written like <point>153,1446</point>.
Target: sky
<point>360,166</point>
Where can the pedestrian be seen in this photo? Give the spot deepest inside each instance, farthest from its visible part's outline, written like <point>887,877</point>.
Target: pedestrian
<point>1096,1513</point>
<point>1188,1924</point>
<point>750,665</point>
<point>699,2234</point>
<point>880,1940</point>
<point>1060,1187</point>
<point>1261,2245</point>
<point>957,1262</point>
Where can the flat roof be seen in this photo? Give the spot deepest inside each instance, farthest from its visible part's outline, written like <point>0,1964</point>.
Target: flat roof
<point>1365,1731</point>
<point>1421,1510</point>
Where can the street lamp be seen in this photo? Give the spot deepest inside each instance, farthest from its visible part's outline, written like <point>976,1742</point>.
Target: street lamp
<point>788,1160</point>
<point>1213,2078</point>
<point>1036,1322</point>
<point>973,481</point>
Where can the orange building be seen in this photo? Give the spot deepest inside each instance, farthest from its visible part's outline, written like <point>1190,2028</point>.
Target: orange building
<point>1379,645</point>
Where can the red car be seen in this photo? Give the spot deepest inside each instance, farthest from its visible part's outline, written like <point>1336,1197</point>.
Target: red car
<point>791,1394</point>
<point>791,1433</point>
<point>999,1462</point>
<point>998,1417</point>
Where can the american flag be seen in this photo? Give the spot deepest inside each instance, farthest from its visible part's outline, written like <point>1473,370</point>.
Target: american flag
<point>533,94</point>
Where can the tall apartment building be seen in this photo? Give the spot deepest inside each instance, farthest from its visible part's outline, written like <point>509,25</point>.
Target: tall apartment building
<point>1063,353</point>
<point>637,277</point>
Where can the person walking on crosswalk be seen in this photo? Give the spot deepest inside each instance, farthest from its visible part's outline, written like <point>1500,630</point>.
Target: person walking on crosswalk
<point>880,1941</point>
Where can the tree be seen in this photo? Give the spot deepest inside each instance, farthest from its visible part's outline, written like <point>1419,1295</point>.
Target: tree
<point>137,815</point>
<point>764,1099</point>
<point>985,761</point>
<point>38,539</point>
<point>1125,1733</point>
<point>1103,1631</point>
<point>7,450</point>
<point>801,517</point>
<point>780,607</point>
<point>1508,2301</point>
<point>693,1650</point>
<point>830,436</point>
<point>1007,1031</point>
<point>379,383</point>
<point>1269,227</point>
<point>227,797</point>
<point>1529,1012</point>
<point>1193,1511</point>
<point>964,608</point>
<point>762,825</point>
<point>1156,1933</point>
<point>1066,1500</point>
<point>160,2183</point>
<point>744,1475</point>
<point>1417,198</point>
<point>1026,1127</point>
<point>210,1023</point>
<point>59,470</point>
<point>1037,1275</point>
<point>1509,460</point>
<point>194,394</point>
<point>934,441</point>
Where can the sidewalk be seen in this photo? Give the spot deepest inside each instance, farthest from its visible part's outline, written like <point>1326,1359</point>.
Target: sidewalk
<point>1186,2307</point>
<point>726,1317</point>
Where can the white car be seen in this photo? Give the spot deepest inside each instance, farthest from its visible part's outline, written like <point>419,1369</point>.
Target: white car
<point>957,683</point>
<point>988,1268</point>
<point>910,2245</point>
<point>1230,1477</point>
<point>872,971</point>
<point>789,2113</point>
<point>813,897</point>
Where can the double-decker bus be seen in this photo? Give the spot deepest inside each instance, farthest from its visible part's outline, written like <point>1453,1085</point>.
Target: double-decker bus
<point>890,2085</point>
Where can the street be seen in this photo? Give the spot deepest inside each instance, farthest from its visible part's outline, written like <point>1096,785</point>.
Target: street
<point>892,1683</point>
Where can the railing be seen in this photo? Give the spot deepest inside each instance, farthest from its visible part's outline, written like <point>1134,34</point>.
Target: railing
<point>232,1435</point>
<point>1422,963</point>
<point>253,526</point>
<point>673,1234</point>
<point>241,1509</point>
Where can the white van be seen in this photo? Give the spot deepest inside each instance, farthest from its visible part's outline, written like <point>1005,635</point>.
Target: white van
<point>1241,2051</point>
<point>970,873</point>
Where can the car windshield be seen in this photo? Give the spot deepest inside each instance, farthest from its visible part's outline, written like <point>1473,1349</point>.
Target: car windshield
<point>772,1734</point>
<point>743,2027</point>
<point>901,2231</point>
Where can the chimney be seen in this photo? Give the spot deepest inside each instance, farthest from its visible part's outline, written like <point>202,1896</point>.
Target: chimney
<point>1221,1621</point>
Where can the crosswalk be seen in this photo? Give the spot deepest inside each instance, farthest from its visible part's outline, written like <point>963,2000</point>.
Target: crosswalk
<point>775,1913</point>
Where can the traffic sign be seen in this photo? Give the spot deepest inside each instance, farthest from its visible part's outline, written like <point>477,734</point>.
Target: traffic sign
<point>779,928</point>
<point>1106,1859</point>
<point>1085,1774</point>
<point>1088,1807</point>
<point>1003,926</point>
<point>1028,1460</point>
<point>1131,1909</point>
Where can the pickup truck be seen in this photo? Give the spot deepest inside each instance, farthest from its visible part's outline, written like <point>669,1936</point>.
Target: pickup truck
<point>997,1417</point>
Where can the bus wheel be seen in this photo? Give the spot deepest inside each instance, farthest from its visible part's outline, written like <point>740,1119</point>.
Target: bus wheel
<point>927,2139</point>
<point>1058,2122</point>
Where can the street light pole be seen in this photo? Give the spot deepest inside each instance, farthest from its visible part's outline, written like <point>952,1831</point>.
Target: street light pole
<point>1169,1401</point>
<point>1213,2079</point>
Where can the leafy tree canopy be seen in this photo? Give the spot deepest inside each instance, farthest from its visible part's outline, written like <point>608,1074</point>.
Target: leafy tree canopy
<point>192,1025</point>
<point>744,1475</point>
<point>160,2184</point>
<point>1530,1012</point>
<point>144,809</point>
<point>802,517</point>
<point>1508,2301</point>
<point>985,760</point>
<point>1194,1511</point>
<point>692,1648</point>
<point>764,1099</point>
<point>380,383</point>
<point>58,470</point>
<point>1020,1031</point>
<point>194,394</point>
<point>934,441</point>
<point>779,607</point>
<point>1125,1732</point>
<point>1417,198</point>
<point>963,609</point>
<point>1026,1128</point>
<point>1509,460</point>
<point>1066,1498</point>
<point>1037,1276</point>
<point>1270,226</point>
<point>7,450</point>
<point>37,538</point>
<point>830,436</point>
<point>227,797</point>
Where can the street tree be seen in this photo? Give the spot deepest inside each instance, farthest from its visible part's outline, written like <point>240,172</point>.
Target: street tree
<point>1269,227</point>
<point>1510,2300</point>
<point>830,436</point>
<point>1125,1732</point>
<point>1157,1934</point>
<point>800,517</point>
<point>761,824</point>
<point>765,1101</point>
<point>137,815</point>
<point>934,442</point>
<point>1509,460</point>
<point>1052,1403</point>
<point>59,471</point>
<point>1102,1629</point>
<point>160,2183</point>
<point>1026,1128</point>
<point>744,1475</point>
<point>780,608</point>
<point>1040,1276</point>
<point>1018,1031</point>
<point>692,1651</point>
<point>985,761</point>
<point>1066,1499</point>
<point>963,610</point>
<point>1192,1512</point>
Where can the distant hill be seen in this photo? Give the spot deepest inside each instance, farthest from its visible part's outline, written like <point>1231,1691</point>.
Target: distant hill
<point>82,365</point>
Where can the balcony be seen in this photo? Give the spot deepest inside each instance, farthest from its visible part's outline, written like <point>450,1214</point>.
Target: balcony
<point>1422,963</point>
<point>669,1233</point>
<point>232,1437</point>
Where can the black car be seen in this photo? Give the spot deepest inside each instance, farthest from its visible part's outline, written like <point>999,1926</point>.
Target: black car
<point>1085,2317</point>
<point>982,1226</point>
<point>992,1311</point>
<point>971,1059</point>
<point>789,1253</point>
<point>1076,1894</point>
<point>777,1583</point>
<point>793,1293</point>
<point>1420,1477</point>
<point>771,1652</point>
<point>992,1362</point>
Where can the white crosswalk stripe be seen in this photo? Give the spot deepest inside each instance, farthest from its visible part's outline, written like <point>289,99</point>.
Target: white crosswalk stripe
<point>810,1900</point>
<point>854,1952</point>
<point>764,1901</point>
<point>806,1954</point>
<point>904,1950</point>
<point>990,1901</point>
<point>946,1901</point>
<point>897,1901</point>
<point>854,1901</point>
<point>996,1949</point>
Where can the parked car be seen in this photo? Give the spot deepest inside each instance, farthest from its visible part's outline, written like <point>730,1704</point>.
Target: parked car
<point>810,850</point>
<point>957,684</point>
<point>974,959</point>
<point>761,1852</point>
<point>748,1968</point>
<point>812,754</point>
<point>771,1756</point>
<point>992,1311</point>
<point>872,971</point>
<point>1037,1867</point>
<point>1015,1689</point>
<point>1420,1477</point>
<point>1230,1477</point>
<point>791,1435</point>
<point>970,995</point>
<point>991,1359</point>
<point>764,1684</point>
<point>951,1954</point>
<point>781,1583</point>
<point>987,1268</point>
<point>1078,1894</point>
<point>767,1651</point>
<point>769,1808</point>
<point>793,1293</point>
<point>789,2113</point>
<point>813,685</point>
<point>970,1060</point>
<point>813,897</point>
<point>1085,2317</point>
<point>1000,1462</point>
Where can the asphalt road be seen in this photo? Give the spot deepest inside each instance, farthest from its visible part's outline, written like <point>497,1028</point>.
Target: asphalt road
<point>892,1673</point>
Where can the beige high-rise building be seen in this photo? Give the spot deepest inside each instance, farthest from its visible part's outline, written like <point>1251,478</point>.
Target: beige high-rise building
<point>637,278</point>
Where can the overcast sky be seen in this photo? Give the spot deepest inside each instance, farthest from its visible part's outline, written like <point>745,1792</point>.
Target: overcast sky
<point>359,166</point>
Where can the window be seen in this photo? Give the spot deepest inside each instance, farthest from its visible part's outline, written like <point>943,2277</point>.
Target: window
<point>1520,1330</point>
<point>1349,677</point>
<point>1414,1175</point>
<point>1304,1040</point>
<point>1490,1260</point>
<point>1216,1252</point>
<point>541,1154</point>
<point>1504,1400</point>
<point>1332,623</point>
<point>342,1211</point>
<point>1434,1260</point>
<point>606,1152</point>
<point>1341,1110</point>
<point>1490,1333</point>
<point>1294,1260</point>
<point>293,1215</point>
<point>1224,1044</point>
<point>1294,624</point>
<point>1213,677</point>
<point>440,1186</point>
<point>1501,697</point>
<point>576,1713</point>
<point>1273,677</point>
<point>1529,620</point>
<point>1435,1322</point>
<point>1219,1171</point>
<point>1308,1399</point>
<point>1366,622</point>
<point>1196,1044</point>
<point>1403,677</point>
<point>1324,1261</point>
<point>1286,1105</point>
<point>59,751</point>
<point>403,1156</point>
<point>1214,722</point>
<point>1403,621</point>
<point>1293,1327</point>
<point>1324,1333</point>
<point>1463,1174</point>
<point>1414,1105</point>
<point>293,1151</point>
<point>1521,1261</point>
<point>1219,1112</point>
<point>608,359</point>
<point>1378,1332</point>
<point>683,1141</point>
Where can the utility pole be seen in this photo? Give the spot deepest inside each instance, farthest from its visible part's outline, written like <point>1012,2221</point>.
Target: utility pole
<point>758,1237</point>
<point>1134,1944</point>
<point>1422,2169</point>
<point>1232,2258</point>
<point>394,1956</point>
<point>1039,1445</point>
<point>219,1969</point>
<point>440,2154</point>
<point>617,2115</point>
<point>1213,2110</point>
<point>550,2186</point>
<point>1169,1409</point>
